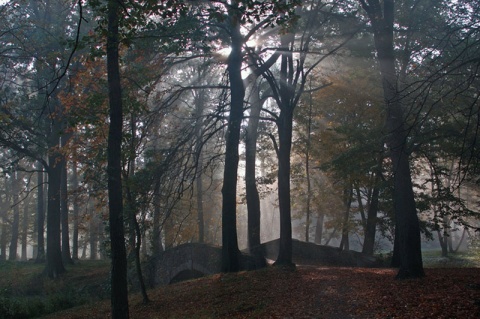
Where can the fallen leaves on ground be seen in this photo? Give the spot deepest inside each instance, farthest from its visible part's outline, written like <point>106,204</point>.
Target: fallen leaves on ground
<point>309,292</point>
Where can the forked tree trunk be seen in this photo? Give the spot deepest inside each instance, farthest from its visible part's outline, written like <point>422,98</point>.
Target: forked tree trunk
<point>285,127</point>
<point>54,265</point>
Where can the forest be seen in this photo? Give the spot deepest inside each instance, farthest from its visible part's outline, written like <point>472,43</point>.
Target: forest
<point>130,128</point>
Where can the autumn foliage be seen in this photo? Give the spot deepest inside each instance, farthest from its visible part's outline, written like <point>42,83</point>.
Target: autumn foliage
<point>310,292</point>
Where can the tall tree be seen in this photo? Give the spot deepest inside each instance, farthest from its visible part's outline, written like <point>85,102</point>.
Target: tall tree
<point>119,296</point>
<point>40,216</point>
<point>15,180</point>
<point>252,195</point>
<point>230,251</point>
<point>382,18</point>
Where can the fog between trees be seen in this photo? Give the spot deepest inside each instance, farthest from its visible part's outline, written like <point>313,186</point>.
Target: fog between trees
<point>345,123</point>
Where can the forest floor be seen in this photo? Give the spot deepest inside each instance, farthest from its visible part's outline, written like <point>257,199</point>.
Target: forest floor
<point>447,291</point>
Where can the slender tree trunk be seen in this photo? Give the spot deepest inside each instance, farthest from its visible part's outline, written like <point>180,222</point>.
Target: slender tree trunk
<point>3,236</point>
<point>409,243</point>
<point>230,251</point>
<point>252,196</point>
<point>66,256</point>
<point>138,265</point>
<point>25,220</point>
<point>199,191</point>
<point>93,229</point>
<point>40,258</point>
<point>345,243</point>
<point>307,167</point>
<point>119,290</point>
<point>199,106</point>
<point>16,218</point>
<point>75,212</point>
<point>370,229</point>
<point>157,246</point>
<point>319,228</point>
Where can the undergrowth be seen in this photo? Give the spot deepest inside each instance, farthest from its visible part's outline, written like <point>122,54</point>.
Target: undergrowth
<point>26,293</point>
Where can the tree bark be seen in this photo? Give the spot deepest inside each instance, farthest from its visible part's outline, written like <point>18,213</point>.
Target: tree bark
<point>252,196</point>
<point>26,211</point>
<point>319,228</point>
<point>93,229</point>
<point>307,167</point>
<point>199,106</point>
<point>66,256</point>
<point>407,223</point>
<point>230,251</point>
<point>119,290</point>
<point>75,213</point>
<point>285,127</point>
<point>371,227</point>
<point>345,242</point>
<point>54,265</point>
<point>40,258</point>
<point>12,255</point>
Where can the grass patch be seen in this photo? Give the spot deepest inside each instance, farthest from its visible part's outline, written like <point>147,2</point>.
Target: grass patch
<point>463,259</point>
<point>26,293</point>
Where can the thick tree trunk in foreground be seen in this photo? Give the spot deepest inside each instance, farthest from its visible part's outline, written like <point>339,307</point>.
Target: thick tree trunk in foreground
<point>408,229</point>
<point>285,127</point>
<point>285,121</point>
<point>230,252</point>
<point>119,290</point>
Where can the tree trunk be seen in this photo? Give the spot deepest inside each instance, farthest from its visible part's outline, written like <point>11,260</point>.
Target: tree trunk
<point>230,252</point>
<point>409,243</point>
<point>285,127</point>
<point>16,218</point>
<point>284,257</point>
<point>199,106</point>
<point>93,229</point>
<point>319,229</point>
<point>26,211</point>
<point>54,265</point>
<point>157,246</point>
<point>119,290</point>
<point>75,212</point>
<point>307,167</point>
<point>252,196</point>
<point>199,189</point>
<point>3,236</point>
<point>40,258</point>
<point>67,258</point>
<point>138,265</point>
<point>345,242</point>
<point>370,229</point>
